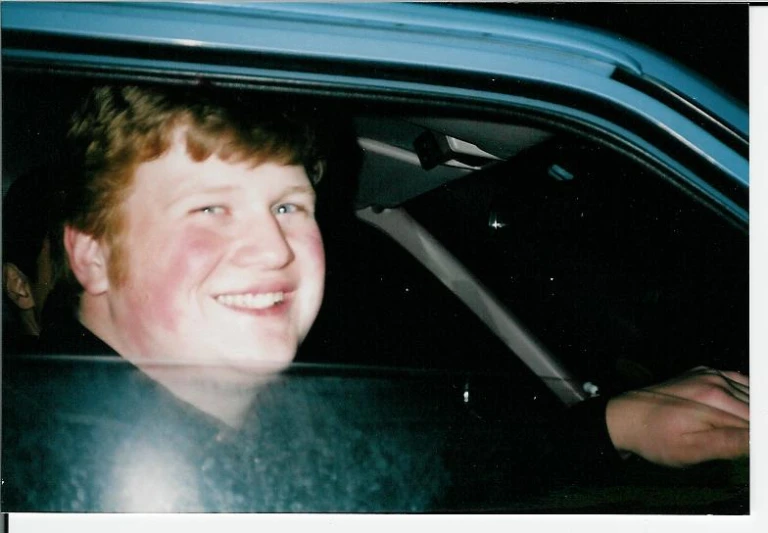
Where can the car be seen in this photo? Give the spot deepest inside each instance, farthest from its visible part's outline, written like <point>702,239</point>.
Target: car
<point>520,213</point>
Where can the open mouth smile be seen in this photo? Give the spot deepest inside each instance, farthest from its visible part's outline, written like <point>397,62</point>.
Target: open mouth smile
<point>251,300</point>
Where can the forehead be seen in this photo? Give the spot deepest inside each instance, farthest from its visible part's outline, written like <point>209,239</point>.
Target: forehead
<point>175,174</point>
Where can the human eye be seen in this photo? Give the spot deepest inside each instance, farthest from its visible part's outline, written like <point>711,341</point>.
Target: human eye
<point>287,208</point>
<point>297,202</point>
<point>214,210</point>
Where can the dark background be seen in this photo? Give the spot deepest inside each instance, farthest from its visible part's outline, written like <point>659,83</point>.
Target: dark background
<point>711,39</point>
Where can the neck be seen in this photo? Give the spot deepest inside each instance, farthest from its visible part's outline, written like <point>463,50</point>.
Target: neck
<point>216,391</point>
<point>91,313</point>
<point>223,399</point>
<point>219,392</point>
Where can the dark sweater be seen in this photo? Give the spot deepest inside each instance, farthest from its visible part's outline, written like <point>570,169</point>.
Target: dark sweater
<point>93,433</point>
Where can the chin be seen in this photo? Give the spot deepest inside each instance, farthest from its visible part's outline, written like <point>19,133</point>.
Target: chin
<point>265,367</point>
<point>279,360</point>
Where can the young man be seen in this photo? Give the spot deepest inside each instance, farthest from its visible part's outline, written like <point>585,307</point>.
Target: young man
<point>201,259</point>
<point>196,257</point>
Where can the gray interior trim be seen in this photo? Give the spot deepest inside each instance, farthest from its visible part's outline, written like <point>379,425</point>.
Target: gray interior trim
<point>423,246</point>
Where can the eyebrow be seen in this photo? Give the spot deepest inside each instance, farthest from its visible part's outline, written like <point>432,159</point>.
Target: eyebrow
<point>295,189</point>
<point>302,189</point>
<point>183,193</point>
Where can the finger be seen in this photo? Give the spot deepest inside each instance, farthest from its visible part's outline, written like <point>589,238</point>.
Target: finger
<point>737,385</point>
<point>736,379</point>
<point>697,371</point>
<point>727,405</point>
<point>721,443</point>
<point>715,406</point>
<point>738,395</point>
<point>715,379</point>
<point>712,400</point>
<point>731,376</point>
<point>732,384</point>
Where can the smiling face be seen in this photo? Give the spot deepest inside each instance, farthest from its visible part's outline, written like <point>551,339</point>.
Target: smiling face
<point>224,264</point>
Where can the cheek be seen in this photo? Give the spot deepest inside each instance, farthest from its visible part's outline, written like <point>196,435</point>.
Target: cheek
<point>314,257</point>
<point>180,268</point>
<point>313,273</point>
<point>194,255</point>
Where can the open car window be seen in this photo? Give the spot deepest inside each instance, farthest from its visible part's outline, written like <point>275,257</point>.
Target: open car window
<point>499,248</point>
<point>624,276</point>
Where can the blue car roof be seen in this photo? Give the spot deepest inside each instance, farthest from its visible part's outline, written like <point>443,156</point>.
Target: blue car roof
<point>395,34</point>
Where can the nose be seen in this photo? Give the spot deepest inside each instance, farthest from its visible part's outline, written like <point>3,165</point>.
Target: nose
<point>262,243</point>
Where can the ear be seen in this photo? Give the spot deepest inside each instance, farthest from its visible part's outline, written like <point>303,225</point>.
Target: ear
<point>17,287</point>
<point>87,259</point>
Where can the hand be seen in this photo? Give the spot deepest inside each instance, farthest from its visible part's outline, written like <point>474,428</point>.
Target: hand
<point>699,416</point>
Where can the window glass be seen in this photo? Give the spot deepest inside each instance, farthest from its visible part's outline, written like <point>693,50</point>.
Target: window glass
<point>622,276</point>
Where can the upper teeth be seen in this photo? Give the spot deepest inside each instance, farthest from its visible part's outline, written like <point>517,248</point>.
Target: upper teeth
<point>251,301</point>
